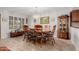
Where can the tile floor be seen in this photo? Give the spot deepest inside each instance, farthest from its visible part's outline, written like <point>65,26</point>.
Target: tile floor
<point>17,44</point>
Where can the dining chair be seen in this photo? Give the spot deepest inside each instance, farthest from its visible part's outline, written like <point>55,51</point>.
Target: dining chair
<point>38,28</point>
<point>25,30</point>
<point>38,33</point>
<point>51,35</point>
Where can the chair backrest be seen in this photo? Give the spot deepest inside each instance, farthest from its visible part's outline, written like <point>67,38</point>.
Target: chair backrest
<point>25,28</point>
<point>46,28</point>
<point>51,33</point>
<point>54,27</point>
<point>38,28</point>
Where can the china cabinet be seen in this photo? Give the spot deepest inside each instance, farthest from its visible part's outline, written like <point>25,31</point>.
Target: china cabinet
<point>63,27</point>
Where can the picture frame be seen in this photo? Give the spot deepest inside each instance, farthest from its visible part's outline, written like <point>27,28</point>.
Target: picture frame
<point>44,20</point>
<point>74,20</point>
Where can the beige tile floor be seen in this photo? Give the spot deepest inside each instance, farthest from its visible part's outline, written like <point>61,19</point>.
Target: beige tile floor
<point>17,44</point>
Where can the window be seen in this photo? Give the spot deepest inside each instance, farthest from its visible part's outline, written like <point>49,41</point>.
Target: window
<point>19,24</point>
<point>16,23</point>
<point>10,22</point>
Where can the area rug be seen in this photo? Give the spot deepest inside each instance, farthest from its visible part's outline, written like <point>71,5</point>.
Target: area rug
<point>4,49</point>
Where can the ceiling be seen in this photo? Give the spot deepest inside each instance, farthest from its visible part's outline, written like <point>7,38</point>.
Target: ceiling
<point>38,10</point>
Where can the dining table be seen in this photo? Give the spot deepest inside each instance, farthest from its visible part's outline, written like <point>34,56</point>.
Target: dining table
<point>40,37</point>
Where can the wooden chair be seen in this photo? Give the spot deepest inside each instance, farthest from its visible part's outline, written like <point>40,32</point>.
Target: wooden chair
<point>54,27</point>
<point>25,30</point>
<point>51,35</point>
<point>38,33</point>
<point>38,28</point>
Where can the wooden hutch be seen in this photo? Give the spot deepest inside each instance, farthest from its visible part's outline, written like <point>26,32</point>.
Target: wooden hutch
<point>63,27</point>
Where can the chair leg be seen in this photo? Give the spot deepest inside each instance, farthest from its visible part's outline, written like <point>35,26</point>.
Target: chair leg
<point>36,41</point>
<point>24,38</point>
<point>53,42</point>
<point>41,43</point>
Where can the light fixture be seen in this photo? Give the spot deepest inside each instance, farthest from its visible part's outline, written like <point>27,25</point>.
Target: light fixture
<point>36,7</point>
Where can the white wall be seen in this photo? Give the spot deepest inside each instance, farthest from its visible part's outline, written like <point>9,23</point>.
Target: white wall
<point>75,37</point>
<point>4,23</point>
